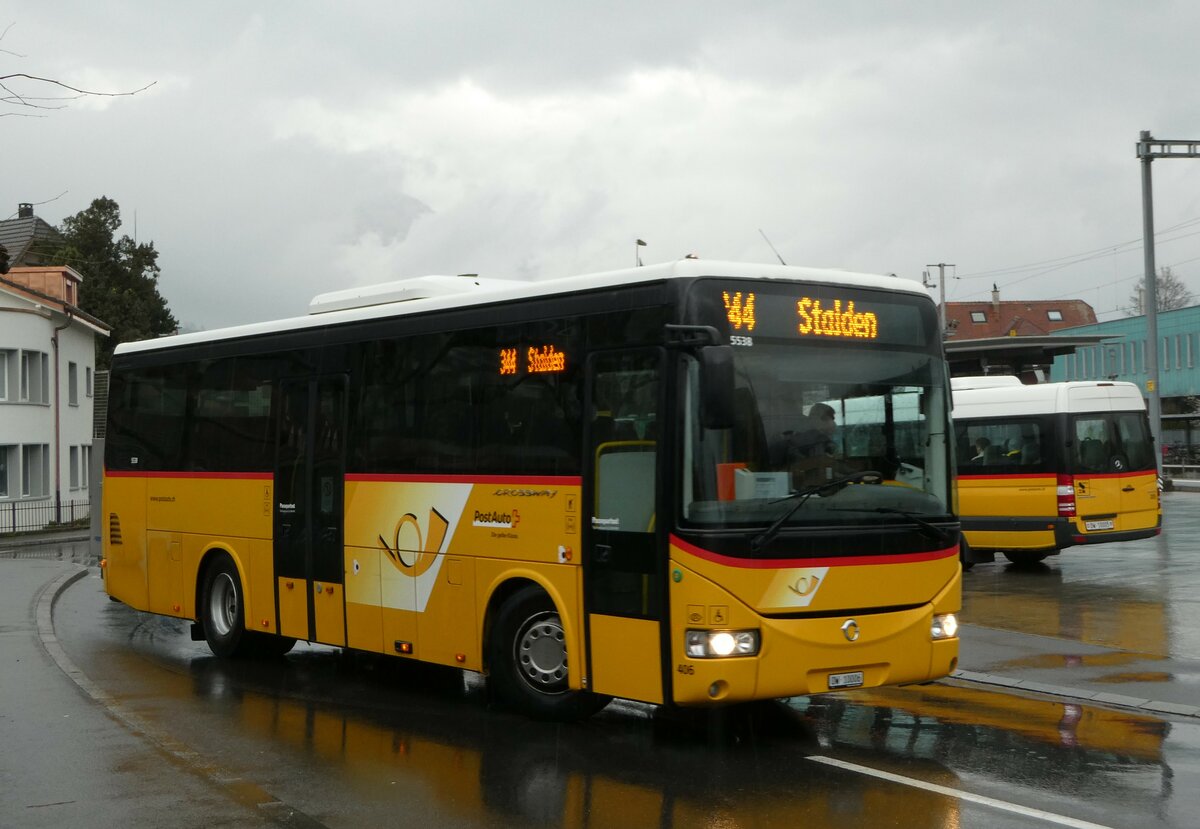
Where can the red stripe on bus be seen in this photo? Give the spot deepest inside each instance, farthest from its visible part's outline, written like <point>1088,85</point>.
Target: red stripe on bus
<point>1028,476</point>
<point>532,480</point>
<point>1051,476</point>
<point>787,563</point>
<point>237,476</point>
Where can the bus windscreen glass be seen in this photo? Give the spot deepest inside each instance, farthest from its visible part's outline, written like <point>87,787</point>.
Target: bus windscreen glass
<point>827,388</point>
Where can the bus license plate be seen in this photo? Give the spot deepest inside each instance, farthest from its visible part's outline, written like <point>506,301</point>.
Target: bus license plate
<point>850,680</point>
<point>1098,525</point>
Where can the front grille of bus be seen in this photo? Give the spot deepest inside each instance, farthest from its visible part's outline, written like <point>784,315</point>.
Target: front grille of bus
<point>846,611</point>
<point>114,528</point>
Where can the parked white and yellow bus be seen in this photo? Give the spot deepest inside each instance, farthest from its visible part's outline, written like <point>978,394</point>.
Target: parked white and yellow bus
<point>568,485</point>
<point>1049,466</point>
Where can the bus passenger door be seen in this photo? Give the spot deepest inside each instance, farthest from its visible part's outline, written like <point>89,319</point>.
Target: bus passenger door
<point>309,481</point>
<point>623,568</point>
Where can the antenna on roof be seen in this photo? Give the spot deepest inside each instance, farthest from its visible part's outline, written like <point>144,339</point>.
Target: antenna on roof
<point>772,247</point>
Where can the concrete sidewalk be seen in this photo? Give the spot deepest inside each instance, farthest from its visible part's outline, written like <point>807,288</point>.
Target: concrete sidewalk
<point>68,761</point>
<point>1079,671</point>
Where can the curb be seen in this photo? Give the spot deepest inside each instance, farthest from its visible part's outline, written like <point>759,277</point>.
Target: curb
<point>1082,694</point>
<point>40,540</point>
<point>237,789</point>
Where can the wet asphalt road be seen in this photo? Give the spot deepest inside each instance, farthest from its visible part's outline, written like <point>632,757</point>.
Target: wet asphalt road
<point>325,739</point>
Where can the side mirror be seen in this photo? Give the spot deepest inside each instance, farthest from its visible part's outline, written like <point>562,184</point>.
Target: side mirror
<point>716,386</point>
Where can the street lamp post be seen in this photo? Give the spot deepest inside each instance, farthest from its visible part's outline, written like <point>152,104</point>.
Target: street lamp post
<point>637,254</point>
<point>1148,149</point>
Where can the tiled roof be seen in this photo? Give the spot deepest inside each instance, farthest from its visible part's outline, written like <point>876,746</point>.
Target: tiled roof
<point>25,237</point>
<point>1021,318</point>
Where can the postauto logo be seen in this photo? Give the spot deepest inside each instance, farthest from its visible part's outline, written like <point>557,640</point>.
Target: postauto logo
<point>497,519</point>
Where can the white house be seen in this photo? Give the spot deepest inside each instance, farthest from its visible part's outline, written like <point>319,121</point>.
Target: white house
<point>47,386</point>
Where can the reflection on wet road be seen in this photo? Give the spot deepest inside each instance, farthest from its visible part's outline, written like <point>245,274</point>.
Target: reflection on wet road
<point>349,740</point>
<point>352,741</point>
<point>1139,596</point>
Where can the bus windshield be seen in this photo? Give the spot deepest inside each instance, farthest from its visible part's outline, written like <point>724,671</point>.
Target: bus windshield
<point>807,419</point>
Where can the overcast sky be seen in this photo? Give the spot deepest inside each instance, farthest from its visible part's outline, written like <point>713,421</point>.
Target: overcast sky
<point>288,149</point>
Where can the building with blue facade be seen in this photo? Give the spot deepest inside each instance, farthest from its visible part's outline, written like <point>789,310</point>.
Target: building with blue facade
<point>1122,356</point>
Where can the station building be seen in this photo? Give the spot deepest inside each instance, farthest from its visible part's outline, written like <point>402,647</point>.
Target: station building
<point>1121,355</point>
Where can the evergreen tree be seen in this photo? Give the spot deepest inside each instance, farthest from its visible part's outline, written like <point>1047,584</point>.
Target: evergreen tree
<point>120,277</point>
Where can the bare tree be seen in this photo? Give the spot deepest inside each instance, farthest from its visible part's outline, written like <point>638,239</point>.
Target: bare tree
<point>1169,291</point>
<point>28,95</point>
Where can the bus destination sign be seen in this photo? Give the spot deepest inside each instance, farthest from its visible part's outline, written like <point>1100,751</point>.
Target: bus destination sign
<point>538,359</point>
<point>813,317</point>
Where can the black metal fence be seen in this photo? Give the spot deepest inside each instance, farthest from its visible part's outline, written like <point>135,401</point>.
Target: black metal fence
<point>33,516</point>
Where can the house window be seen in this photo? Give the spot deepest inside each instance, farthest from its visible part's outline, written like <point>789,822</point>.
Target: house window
<point>74,467</point>
<point>73,384</point>
<point>1178,351</point>
<point>1187,340</point>
<point>35,470</point>
<point>978,316</point>
<point>4,374</point>
<point>85,466</point>
<point>35,377</point>
<point>1054,316</point>
<point>87,380</point>
<point>7,465</point>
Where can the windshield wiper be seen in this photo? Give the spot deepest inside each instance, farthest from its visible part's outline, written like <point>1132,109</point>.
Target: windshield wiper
<point>930,530</point>
<point>868,476</point>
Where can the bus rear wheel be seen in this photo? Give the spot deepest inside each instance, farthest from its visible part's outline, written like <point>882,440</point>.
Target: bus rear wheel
<point>222,609</point>
<point>528,663</point>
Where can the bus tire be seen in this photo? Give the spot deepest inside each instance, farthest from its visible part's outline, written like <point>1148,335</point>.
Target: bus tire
<point>222,610</point>
<point>964,554</point>
<point>528,660</point>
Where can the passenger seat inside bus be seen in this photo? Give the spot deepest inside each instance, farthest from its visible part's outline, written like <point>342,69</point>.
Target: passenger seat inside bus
<point>1091,454</point>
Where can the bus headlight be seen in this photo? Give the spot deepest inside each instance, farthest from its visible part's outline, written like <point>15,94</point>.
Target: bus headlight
<point>944,626</point>
<point>713,644</point>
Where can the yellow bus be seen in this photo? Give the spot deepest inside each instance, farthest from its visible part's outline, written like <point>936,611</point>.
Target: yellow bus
<point>574,486</point>
<point>1053,465</point>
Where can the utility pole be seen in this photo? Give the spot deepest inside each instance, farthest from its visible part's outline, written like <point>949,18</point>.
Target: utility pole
<point>1149,149</point>
<point>941,286</point>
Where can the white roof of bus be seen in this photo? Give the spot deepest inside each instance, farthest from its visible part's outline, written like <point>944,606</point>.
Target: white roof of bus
<point>1047,398</point>
<point>480,291</point>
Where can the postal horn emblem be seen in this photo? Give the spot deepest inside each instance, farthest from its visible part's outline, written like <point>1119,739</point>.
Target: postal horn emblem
<point>850,630</point>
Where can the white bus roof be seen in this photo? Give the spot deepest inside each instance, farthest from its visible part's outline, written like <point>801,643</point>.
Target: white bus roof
<point>423,294</point>
<point>1047,398</point>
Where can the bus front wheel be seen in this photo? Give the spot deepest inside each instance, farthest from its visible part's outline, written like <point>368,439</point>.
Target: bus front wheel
<point>222,609</point>
<point>528,662</point>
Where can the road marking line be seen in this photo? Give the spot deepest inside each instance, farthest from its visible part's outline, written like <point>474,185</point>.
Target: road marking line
<point>1004,805</point>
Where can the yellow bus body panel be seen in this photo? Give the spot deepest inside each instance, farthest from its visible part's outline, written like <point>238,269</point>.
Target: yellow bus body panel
<point>1128,500</point>
<point>329,613</point>
<point>125,573</point>
<point>627,657</point>
<point>805,643</point>
<point>1010,496</point>
<point>423,559</point>
<point>293,608</point>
